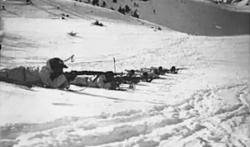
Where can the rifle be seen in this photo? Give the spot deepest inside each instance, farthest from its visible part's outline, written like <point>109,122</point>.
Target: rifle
<point>172,70</point>
<point>86,72</point>
<point>118,78</point>
<point>22,83</point>
<point>126,80</point>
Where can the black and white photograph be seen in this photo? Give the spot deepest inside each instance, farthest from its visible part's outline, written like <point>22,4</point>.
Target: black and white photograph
<point>124,73</point>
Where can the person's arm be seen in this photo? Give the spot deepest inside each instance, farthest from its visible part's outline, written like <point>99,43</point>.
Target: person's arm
<point>58,82</point>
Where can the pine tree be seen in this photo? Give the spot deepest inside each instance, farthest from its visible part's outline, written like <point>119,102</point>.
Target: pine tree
<point>127,9</point>
<point>135,14</point>
<point>95,2</point>
<point>103,4</point>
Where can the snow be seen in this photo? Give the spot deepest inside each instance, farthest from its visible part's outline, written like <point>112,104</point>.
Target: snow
<point>181,15</point>
<point>207,104</point>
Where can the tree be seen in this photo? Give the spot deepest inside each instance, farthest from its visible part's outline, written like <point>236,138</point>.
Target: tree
<point>103,4</point>
<point>136,5</point>
<point>28,2</point>
<point>95,2</point>
<point>127,9</point>
<point>135,14</point>
<point>121,10</point>
<point>97,23</point>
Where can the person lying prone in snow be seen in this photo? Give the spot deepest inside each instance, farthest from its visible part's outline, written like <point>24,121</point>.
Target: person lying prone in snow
<point>51,76</point>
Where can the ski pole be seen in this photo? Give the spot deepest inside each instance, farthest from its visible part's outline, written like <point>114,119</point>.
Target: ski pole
<point>114,65</point>
<point>71,58</point>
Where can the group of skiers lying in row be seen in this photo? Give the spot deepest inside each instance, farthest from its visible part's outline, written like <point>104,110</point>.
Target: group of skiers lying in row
<point>52,76</point>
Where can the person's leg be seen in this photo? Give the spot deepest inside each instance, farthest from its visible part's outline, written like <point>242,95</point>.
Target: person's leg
<point>4,73</point>
<point>32,74</point>
<point>16,74</point>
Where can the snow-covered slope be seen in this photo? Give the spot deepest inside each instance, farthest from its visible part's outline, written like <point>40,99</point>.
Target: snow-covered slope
<point>181,15</point>
<point>205,105</point>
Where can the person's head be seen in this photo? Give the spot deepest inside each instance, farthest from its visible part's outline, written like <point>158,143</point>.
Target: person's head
<point>173,69</point>
<point>160,69</point>
<point>57,65</point>
<point>131,72</point>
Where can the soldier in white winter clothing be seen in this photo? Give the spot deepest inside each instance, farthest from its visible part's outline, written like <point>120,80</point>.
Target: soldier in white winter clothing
<point>51,76</point>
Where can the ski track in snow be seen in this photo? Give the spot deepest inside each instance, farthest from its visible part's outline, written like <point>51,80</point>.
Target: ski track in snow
<point>163,125</point>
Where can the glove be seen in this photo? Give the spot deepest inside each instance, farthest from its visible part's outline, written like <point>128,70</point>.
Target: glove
<point>70,76</point>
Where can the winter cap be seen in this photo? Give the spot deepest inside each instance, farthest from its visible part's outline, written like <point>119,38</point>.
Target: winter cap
<point>57,63</point>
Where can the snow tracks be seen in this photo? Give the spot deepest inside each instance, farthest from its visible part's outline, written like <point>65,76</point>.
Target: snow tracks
<point>211,117</point>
